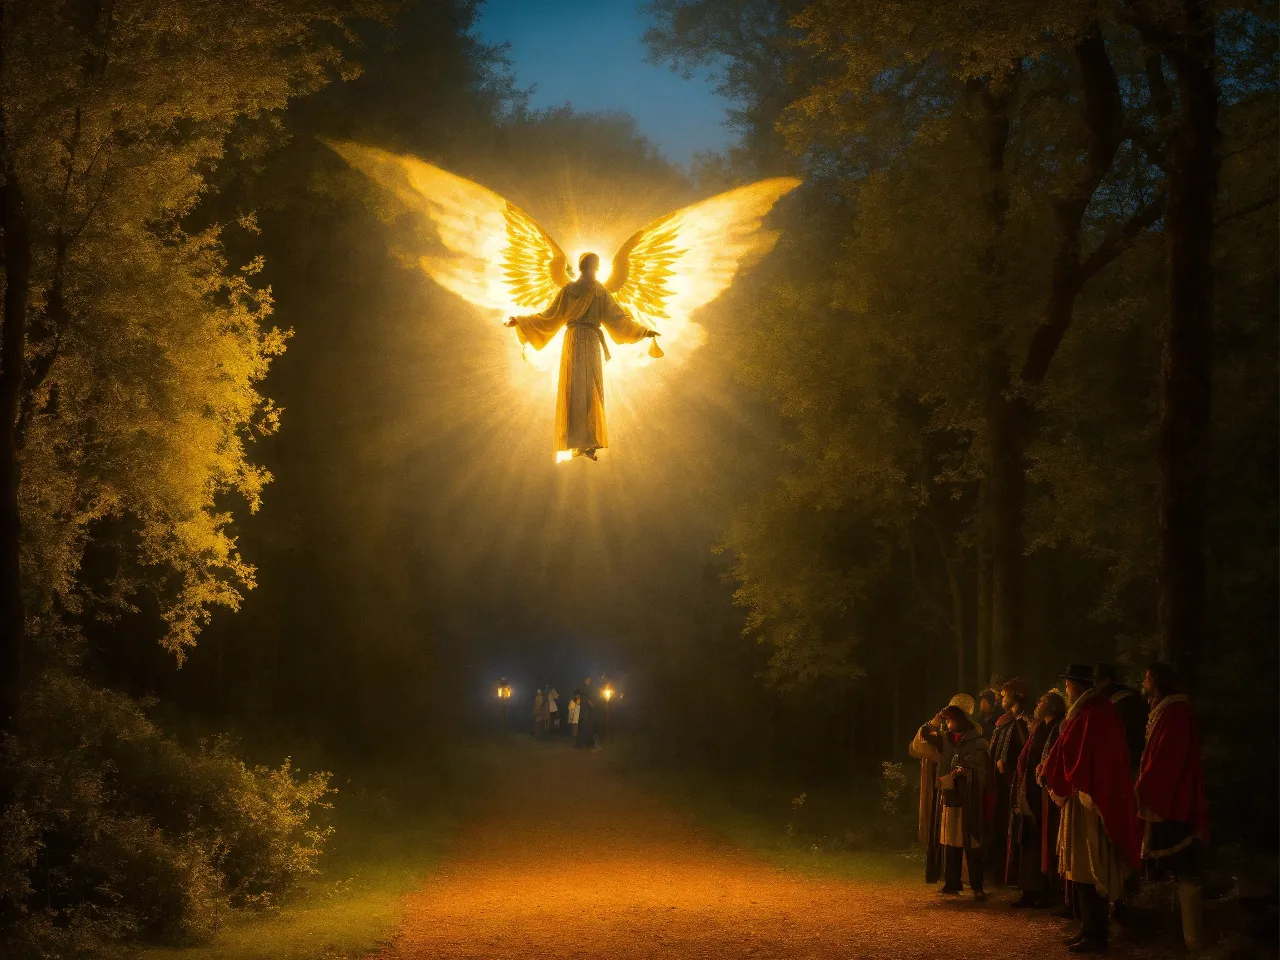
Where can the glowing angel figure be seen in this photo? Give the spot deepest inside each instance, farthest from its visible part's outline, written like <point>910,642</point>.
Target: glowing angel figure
<point>500,258</point>
<point>585,308</point>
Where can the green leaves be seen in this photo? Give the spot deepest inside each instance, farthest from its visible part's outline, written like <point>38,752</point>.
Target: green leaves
<point>148,346</point>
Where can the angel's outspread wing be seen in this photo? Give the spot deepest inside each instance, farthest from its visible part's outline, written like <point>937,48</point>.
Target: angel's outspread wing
<point>497,255</point>
<point>686,259</point>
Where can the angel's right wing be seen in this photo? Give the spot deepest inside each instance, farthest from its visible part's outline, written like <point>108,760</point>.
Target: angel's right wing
<point>686,259</point>
<point>499,258</point>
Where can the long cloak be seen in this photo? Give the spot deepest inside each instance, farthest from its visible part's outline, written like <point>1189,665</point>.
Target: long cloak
<point>963,789</point>
<point>1008,737</point>
<point>1170,788</point>
<point>934,750</point>
<point>1049,811</point>
<point>1024,811</point>
<point>585,310</point>
<point>1088,772</point>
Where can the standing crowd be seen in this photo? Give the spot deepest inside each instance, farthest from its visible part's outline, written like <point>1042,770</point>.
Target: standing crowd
<point>1071,801</point>
<point>577,720</point>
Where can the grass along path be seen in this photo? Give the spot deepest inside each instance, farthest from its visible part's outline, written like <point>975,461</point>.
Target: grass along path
<point>386,843</point>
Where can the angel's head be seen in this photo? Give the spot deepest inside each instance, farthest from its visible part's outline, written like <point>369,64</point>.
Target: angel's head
<point>588,264</point>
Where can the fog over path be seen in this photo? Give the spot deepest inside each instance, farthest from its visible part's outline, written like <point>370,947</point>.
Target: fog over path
<point>567,858</point>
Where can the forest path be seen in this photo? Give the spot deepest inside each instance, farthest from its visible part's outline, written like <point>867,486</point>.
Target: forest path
<point>566,858</point>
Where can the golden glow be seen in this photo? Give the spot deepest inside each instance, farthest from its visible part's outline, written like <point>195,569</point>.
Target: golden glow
<point>608,693</point>
<point>710,241</point>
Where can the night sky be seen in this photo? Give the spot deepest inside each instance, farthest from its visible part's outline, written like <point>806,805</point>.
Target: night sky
<point>589,53</point>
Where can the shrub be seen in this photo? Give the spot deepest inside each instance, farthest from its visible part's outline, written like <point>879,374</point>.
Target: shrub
<point>117,830</point>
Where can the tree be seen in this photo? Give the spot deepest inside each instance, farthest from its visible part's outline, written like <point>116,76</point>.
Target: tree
<point>131,348</point>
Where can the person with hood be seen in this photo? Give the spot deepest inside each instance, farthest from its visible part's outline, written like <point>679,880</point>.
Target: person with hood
<point>1026,866</point>
<point>964,786</point>
<point>932,748</point>
<point>1171,796</point>
<point>1088,775</point>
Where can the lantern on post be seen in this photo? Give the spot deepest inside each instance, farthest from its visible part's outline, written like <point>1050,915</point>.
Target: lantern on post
<point>607,693</point>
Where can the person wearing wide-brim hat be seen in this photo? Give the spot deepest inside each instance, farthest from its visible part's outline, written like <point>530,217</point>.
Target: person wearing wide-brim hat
<point>1087,773</point>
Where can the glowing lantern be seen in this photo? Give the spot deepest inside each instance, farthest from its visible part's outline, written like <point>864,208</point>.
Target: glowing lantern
<point>504,694</point>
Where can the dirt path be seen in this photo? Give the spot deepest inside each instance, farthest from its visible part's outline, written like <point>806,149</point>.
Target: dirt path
<point>615,872</point>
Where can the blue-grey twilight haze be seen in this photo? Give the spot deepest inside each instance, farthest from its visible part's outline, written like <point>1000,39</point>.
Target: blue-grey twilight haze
<point>590,54</point>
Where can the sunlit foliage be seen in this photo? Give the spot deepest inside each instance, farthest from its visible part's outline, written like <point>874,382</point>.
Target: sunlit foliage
<point>146,345</point>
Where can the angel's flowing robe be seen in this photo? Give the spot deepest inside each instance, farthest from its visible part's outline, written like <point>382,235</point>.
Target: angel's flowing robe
<point>585,312</point>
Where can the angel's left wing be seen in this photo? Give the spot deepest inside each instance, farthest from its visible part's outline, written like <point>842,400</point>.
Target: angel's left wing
<point>686,259</point>
<point>497,255</point>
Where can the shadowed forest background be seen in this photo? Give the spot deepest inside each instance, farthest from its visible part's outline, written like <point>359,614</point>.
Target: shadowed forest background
<point>924,444</point>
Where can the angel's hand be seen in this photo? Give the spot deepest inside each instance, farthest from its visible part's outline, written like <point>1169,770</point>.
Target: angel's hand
<point>511,322</point>
<point>652,333</point>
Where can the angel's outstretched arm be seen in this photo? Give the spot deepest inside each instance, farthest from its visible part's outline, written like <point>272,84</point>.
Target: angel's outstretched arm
<point>622,328</point>
<point>537,329</point>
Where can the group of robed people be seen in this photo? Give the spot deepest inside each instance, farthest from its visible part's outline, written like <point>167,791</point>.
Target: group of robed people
<point>576,720</point>
<point>1071,801</point>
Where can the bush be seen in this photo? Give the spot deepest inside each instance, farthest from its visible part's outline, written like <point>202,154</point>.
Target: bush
<point>118,831</point>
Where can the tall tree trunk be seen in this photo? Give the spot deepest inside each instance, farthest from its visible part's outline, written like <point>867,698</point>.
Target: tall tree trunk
<point>1005,508</point>
<point>1185,374</point>
<point>1004,473</point>
<point>17,278</point>
<point>957,625</point>
<point>982,653</point>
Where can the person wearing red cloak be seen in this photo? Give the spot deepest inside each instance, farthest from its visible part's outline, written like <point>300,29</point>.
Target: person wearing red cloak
<point>1088,775</point>
<point>1170,794</point>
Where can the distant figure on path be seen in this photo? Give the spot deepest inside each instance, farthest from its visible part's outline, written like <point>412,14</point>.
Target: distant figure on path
<point>1025,866</point>
<point>553,710</point>
<point>575,706</point>
<point>544,715</point>
<point>1088,773</point>
<point>537,713</point>
<point>1007,740</point>
<point>1171,797</point>
<point>586,737</point>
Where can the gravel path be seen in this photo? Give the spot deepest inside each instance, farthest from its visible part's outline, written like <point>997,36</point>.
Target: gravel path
<point>618,873</point>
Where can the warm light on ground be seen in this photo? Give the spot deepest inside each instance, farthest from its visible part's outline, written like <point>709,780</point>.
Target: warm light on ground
<point>645,882</point>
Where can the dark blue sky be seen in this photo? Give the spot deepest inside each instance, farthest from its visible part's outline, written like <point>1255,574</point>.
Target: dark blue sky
<point>589,53</point>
